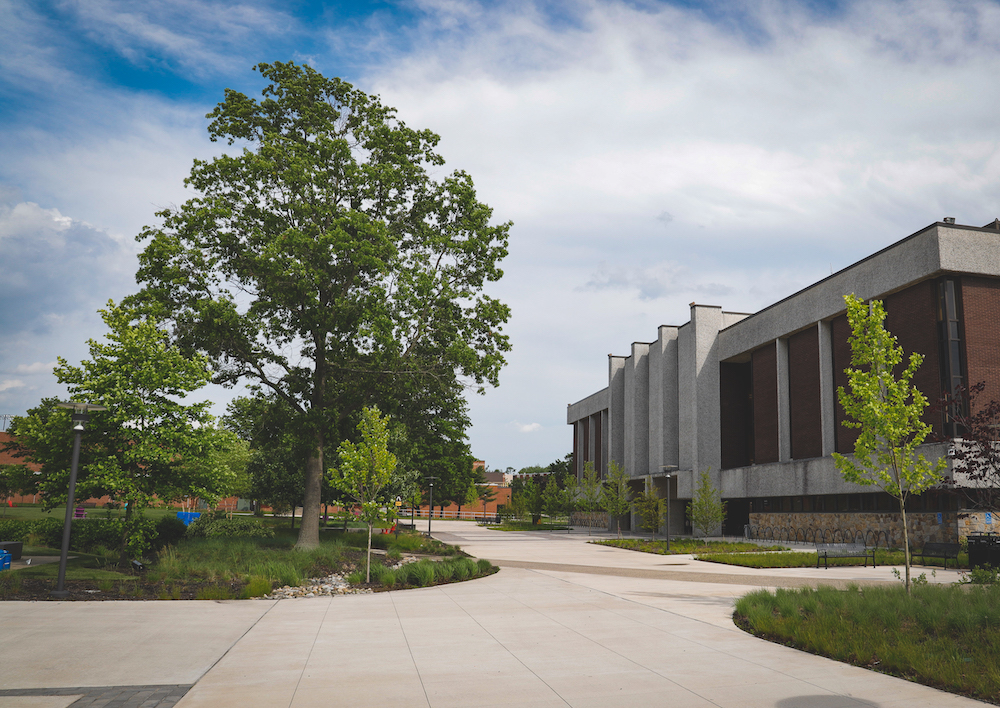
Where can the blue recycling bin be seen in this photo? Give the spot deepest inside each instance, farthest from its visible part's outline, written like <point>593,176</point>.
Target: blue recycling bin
<point>4,560</point>
<point>188,516</point>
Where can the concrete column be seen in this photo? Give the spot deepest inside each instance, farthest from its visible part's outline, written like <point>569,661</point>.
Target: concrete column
<point>686,409</point>
<point>637,411</point>
<point>616,409</point>
<point>827,394</point>
<point>784,419</point>
<point>698,391</point>
<point>663,432</point>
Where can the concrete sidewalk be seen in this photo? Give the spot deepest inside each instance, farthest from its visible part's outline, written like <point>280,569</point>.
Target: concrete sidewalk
<point>589,626</point>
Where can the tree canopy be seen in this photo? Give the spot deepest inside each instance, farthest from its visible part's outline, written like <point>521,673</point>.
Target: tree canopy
<point>324,262</point>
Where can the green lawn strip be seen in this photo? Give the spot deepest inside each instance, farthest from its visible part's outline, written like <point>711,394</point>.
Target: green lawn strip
<point>807,559</point>
<point>684,546</point>
<point>528,526</point>
<point>35,512</point>
<point>944,636</point>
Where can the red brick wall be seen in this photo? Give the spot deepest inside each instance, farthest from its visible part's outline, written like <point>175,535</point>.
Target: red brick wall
<point>803,393</point>
<point>840,333</point>
<point>911,315</point>
<point>765,404</point>
<point>981,325</point>
<point>736,414</point>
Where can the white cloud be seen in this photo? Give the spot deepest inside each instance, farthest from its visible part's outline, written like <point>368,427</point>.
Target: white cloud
<point>525,427</point>
<point>9,384</point>
<point>37,367</point>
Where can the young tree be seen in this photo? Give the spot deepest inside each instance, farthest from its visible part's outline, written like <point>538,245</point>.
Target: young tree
<point>553,499</point>
<point>534,499</point>
<point>887,410</point>
<point>616,497</point>
<point>146,444</point>
<point>486,494</point>
<point>977,445</point>
<point>324,263</point>
<point>650,508</point>
<point>589,499</point>
<point>366,470</point>
<point>706,510</point>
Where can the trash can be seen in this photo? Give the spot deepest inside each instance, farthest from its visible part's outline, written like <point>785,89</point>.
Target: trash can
<point>188,516</point>
<point>4,560</point>
<point>984,549</point>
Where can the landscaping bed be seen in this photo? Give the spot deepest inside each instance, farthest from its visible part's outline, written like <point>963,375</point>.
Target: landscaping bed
<point>685,546</point>
<point>221,568</point>
<point>945,636</point>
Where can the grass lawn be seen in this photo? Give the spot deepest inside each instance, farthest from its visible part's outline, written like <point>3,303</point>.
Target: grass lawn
<point>684,545</point>
<point>807,559</point>
<point>946,636</point>
<point>528,526</point>
<point>226,568</point>
<point>35,512</point>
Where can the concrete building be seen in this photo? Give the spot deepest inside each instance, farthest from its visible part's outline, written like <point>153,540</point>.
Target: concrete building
<point>752,397</point>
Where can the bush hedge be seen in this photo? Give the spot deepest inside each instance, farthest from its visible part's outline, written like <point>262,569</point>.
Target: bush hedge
<point>238,527</point>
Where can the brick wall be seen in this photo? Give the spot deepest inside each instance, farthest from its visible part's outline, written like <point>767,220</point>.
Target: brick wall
<point>911,316</point>
<point>765,404</point>
<point>981,325</point>
<point>803,393</point>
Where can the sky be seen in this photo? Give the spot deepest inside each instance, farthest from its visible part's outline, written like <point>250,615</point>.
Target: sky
<point>649,154</point>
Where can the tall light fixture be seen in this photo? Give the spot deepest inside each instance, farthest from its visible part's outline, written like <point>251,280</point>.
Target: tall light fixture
<point>81,413</point>
<point>430,508</point>
<point>668,469</point>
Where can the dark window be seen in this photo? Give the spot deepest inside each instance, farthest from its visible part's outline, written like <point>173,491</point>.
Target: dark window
<point>950,341</point>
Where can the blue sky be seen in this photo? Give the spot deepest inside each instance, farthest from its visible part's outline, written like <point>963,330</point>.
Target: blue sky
<point>650,154</point>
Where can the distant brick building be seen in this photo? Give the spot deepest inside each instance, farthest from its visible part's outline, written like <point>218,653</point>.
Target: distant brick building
<point>752,397</point>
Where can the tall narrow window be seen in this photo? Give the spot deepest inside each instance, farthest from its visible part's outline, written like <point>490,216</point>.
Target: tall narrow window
<point>950,340</point>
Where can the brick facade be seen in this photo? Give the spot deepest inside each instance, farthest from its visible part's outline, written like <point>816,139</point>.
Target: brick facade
<point>805,415</point>
<point>911,316</point>
<point>765,405</point>
<point>981,304</point>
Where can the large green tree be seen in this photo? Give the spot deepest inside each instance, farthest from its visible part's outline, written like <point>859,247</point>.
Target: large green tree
<point>326,262</point>
<point>148,443</point>
<point>887,409</point>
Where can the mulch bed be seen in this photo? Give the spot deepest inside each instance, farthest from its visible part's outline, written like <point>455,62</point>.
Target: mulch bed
<point>89,591</point>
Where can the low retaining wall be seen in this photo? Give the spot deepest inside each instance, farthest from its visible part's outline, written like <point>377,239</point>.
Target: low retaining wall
<point>874,528</point>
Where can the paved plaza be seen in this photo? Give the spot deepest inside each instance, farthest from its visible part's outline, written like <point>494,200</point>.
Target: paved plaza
<point>564,623</point>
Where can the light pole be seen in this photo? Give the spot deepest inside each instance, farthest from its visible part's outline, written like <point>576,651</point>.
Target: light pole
<point>430,506</point>
<point>667,469</point>
<point>80,415</point>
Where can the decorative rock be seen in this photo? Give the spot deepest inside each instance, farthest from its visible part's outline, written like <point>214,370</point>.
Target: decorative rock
<point>329,586</point>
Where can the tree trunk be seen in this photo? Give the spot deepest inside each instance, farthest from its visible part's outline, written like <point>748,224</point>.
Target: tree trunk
<point>309,528</point>
<point>123,556</point>
<point>368,564</point>
<point>293,517</point>
<point>906,544</point>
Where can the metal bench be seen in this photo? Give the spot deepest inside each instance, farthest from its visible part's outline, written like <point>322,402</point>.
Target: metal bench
<point>938,550</point>
<point>826,551</point>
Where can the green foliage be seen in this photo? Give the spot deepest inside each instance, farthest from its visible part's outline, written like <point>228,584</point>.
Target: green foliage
<point>169,531</point>
<point>207,526</point>
<point>942,636</point>
<point>650,508</point>
<point>706,510</point>
<point>366,469</point>
<point>983,575</point>
<point>554,499</point>
<point>257,586</point>
<point>616,498</point>
<point>887,410</point>
<point>360,268</point>
<point>685,545</point>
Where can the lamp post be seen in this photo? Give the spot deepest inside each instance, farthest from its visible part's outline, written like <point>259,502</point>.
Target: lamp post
<point>430,506</point>
<point>667,469</point>
<point>81,412</point>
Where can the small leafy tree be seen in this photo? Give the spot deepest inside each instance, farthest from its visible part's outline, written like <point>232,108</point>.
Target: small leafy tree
<point>553,499</point>
<point>365,471</point>
<point>486,494</point>
<point>706,510</point>
<point>977,447</point>
<point>887,410</point>
<point>589,498</point>
<point>650,508</point>
<point>534,499</point>
<point>616,497</point>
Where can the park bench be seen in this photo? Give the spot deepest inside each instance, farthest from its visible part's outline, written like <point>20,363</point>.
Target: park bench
<point>79,513</point>
<point>826,551</point>
<point>938,550</point>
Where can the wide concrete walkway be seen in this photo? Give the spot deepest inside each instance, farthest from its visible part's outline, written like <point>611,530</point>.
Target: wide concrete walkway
<point>565,623</point>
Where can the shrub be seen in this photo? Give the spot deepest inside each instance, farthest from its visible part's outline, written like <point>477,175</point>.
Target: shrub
<point>169,531</point>
<point>257,586</point>
<point>483,566</point>
<point>238,527</point>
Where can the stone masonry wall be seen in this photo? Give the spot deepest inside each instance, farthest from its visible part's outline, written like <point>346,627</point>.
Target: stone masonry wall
<point>848,526</point>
